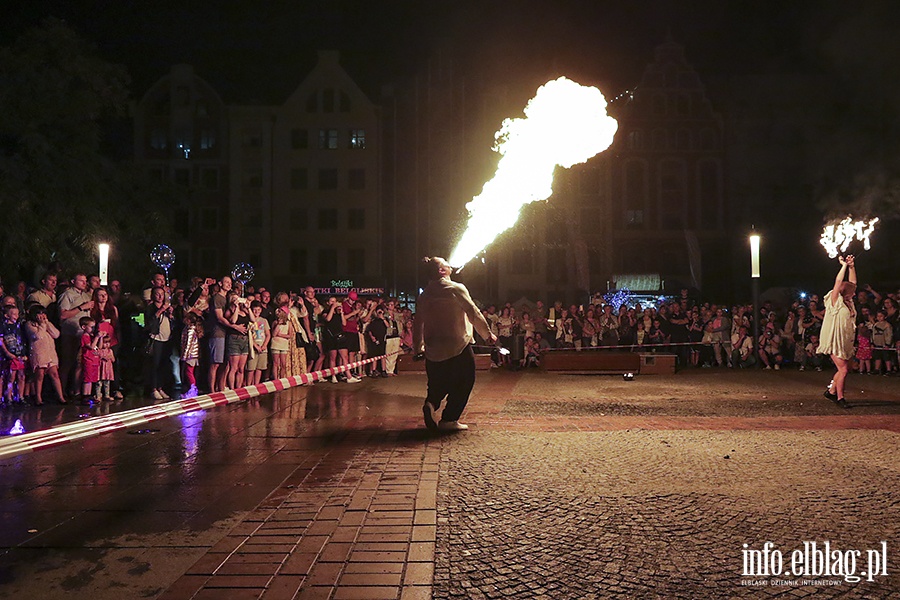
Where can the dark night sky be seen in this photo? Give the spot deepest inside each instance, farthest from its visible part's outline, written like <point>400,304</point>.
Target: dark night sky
<point>248,48</point>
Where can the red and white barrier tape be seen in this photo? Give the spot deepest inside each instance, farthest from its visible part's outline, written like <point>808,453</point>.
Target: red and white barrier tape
<point>95,426</point>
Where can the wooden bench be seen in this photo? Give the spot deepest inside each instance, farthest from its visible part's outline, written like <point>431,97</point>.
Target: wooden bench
<point>591,361</point>
<point>657,364</point>
<point>406,364</point>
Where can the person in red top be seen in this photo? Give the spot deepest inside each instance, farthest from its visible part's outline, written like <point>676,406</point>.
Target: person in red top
<point>350,342</point>
<point>90,357</point>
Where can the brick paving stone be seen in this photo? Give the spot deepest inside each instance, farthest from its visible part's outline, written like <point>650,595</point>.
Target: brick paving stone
<point>283,587</point>
<point>366,593</point>
<point>419,573</point>
<point>370,579</point>
<point>364,567</point>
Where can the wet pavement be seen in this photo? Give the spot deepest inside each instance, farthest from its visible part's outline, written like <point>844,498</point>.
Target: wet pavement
<point>564,487</point>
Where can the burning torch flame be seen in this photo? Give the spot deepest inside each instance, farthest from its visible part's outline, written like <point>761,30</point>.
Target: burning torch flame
<point>565,124</point>
<point>836,238</point>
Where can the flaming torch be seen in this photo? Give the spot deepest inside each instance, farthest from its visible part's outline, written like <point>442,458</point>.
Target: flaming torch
<point>565,124</point>
<point>836,237</point>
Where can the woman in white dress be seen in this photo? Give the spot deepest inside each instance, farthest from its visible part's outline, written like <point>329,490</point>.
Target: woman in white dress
<point>839,328</point>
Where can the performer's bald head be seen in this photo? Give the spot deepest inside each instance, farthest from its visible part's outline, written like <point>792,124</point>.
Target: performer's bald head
<point>437,267</point>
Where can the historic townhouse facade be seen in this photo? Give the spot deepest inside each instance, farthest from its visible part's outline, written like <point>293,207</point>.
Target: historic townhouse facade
<point>292,189</point>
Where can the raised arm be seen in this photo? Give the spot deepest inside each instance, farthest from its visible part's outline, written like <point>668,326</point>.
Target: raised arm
<point>835,292</point>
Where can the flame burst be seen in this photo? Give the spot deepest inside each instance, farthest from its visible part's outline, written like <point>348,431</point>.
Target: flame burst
<point>565,124</point>
<point>836,238</point>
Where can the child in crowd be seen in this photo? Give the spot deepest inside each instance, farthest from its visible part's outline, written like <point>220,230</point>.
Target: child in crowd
<point>258,330</point>
<point>882,341</point>
<point>864,349</point>
<point>811,356</point>
<point>13,356</point>
<point>107,371</point>
<point>190,350</point>
<point>532,354</point>
<point>90,357</point>
<point>281,332</point>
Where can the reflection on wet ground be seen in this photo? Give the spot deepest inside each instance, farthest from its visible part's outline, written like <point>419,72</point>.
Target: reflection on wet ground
<point>175,487</point>
<point>90,518</point>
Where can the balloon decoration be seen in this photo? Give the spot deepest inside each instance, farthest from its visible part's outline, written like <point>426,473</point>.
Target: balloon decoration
<point>163,257</point>
<point>242,272</point>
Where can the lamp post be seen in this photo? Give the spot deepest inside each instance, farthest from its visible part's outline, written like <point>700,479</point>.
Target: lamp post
<point>754,279</point>
<point>104,263</point>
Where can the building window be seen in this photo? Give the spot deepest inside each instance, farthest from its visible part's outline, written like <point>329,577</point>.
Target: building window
<point>344,102</point>
<point>357,139</point>
<point>158,140</point>
<point>297,261</point>
<point>209,260</point>
<point>356,261</point>
<point>327,262</point>
<point>299,179</point>
<point>209,218</point>
<point>328,179</point>
<point>299,139</point>
<point>328,139</point>
<point>182,95</point>
<point>328,218</point>
<point>659,105</point>
<point>312,103</point>
<point>710,194</point>
<point>672,194</point>
<point>207,139</point>
<point>181,218</point>
<point>356,218</point>
<point>328,100</point>
<point>589,181</point>
<point>635,194</point>
<point>251,139</point>
<point>297,219</point>
<point>557,270</point>
<point>156,174</point>
<point>356,179</point>
<point>252,220</point>
<point>708,140</point>
<point>521,262</point>
<point>634,219</point>
<point>183,177</point>
<point>556,232</point>
<point>210,178</point>
<point>253,178</point>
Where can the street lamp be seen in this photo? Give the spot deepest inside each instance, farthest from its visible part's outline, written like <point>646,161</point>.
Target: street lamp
<point>104,263</point>
<point>754,279</point>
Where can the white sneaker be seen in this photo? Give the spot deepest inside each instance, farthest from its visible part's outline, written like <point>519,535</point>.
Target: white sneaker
<point>802,368</point>
<point>353,379</point>
<point>452,426</point>
<point>334,379</point>
<point>777,367</point>
<point>767,369</point>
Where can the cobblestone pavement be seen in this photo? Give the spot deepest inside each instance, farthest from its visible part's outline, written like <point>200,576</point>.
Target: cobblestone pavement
<point>564,487</point>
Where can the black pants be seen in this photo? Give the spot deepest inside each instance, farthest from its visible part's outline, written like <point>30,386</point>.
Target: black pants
<point>453,378</point>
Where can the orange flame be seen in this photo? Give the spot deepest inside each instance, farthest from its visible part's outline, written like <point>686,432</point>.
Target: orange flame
<point>565,124</point>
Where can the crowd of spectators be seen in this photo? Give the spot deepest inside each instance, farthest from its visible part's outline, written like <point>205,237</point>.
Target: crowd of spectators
<point>700,334</point>
<point>92,343</point>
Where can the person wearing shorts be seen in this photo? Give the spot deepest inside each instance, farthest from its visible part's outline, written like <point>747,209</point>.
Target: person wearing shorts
<point>258,361</point>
